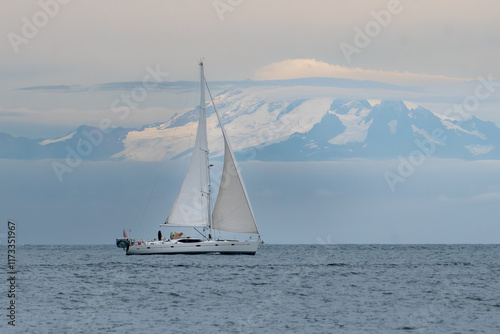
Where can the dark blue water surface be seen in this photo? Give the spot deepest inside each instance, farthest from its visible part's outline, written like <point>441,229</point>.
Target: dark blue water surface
<point>282,289</point>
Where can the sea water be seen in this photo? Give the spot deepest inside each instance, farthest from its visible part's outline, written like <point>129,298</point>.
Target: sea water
<point>282,289</point>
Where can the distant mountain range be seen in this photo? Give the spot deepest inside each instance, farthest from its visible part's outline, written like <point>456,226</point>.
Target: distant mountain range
<point>27,149</point>
<point>268,123</point>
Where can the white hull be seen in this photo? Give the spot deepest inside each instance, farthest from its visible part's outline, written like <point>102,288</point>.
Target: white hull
<point>248,247</point>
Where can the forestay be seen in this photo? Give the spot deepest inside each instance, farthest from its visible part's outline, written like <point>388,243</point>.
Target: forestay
<point>232,211</point>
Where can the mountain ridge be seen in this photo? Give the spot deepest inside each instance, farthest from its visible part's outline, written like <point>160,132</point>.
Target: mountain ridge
<point>267,126</point>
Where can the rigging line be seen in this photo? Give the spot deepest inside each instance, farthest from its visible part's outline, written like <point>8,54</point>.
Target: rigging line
<point>175,129</point>
<point>224,134</point>
<point>210,93</point>
<point>217,115</point>
<point>226,142</point>
<point>212,203</point>
<point>204,236</point>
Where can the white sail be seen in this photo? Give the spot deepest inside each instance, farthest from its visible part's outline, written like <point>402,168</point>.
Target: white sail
<point>191,208</point>
<point>232,211</point>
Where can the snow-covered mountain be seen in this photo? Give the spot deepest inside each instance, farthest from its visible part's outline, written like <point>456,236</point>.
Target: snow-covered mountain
<point>83,141</point>
<point>284,124</point>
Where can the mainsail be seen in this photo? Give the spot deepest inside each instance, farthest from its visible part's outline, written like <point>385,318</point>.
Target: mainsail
<point>191,208</point>
<point>232,211</point>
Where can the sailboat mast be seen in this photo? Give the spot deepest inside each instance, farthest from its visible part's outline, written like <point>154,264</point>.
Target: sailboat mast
<point>203,114</point>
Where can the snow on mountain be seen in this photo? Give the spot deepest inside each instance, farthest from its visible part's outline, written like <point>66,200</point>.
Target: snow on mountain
<point>373,103</point>
<point>266,124</point>
<point>479,149</point>
<point>295,123</point>
<point>248,119</point>
<point>410,105</point>
<point>354,121</point>
<point>52,141</point>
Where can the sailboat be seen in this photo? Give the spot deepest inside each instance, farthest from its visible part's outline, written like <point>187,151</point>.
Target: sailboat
<point>232,211</point>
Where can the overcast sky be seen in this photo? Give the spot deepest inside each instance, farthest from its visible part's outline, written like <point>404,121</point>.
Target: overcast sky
<point>89,42</point>
<point>411,43</point>
<point>424,43</point>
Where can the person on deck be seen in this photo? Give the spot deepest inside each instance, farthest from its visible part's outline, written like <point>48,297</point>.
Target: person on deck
<point>159,235</point>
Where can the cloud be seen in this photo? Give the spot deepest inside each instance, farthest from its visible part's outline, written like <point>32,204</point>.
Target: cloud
<point>308,68</point>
